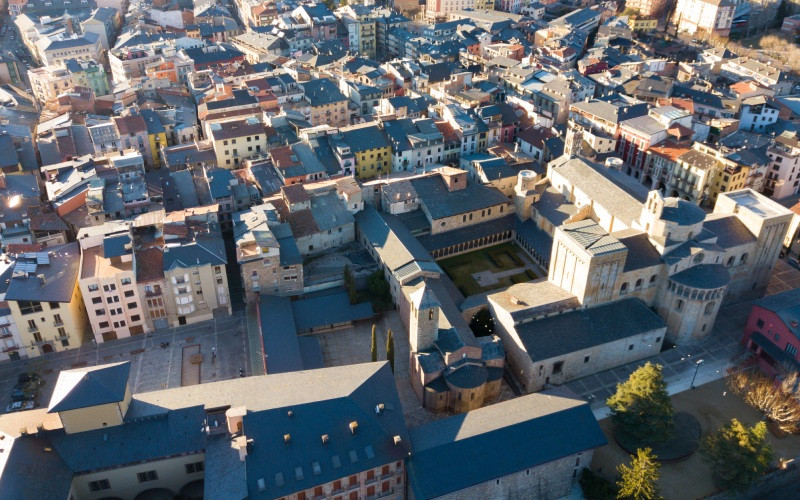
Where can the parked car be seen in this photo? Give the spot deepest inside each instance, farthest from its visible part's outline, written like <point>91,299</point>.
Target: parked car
<point>20,406</point>
<point>794,263</point>
<point>24,378</point>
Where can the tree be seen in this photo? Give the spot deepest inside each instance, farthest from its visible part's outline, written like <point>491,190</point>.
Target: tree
<point>374,348</point>
<point>778,404</point>
<point>737,455</point>
<point>482,324</point>
<point>596,487</point>
<point>390,348</point>
<point>641,407</point>
<point>639,481</point>
<point>379,291</point>
<point>350,284</point>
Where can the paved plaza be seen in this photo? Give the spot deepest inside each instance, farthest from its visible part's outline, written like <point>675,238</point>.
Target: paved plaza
<point>152,367</point>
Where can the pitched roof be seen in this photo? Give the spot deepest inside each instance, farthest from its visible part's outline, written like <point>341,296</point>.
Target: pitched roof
<point>91,386</point>
<point>462,451</point>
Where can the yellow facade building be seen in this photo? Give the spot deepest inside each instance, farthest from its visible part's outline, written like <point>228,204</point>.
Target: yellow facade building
<point>371,149</point>
<point>45,300</point>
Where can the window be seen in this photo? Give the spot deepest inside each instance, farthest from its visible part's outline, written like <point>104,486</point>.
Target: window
<point>653,278</point>
<point>125,281</point>
<point>96,300</point>
<point>29,306</point>
<point>557,367</point>
<point>195,467</point>
<point>630,347</point>
<point>135,317</point>
<point>679,305</point>
<point>430,315</point>
<point>132,305</point>
<point>54,305</point>
<point>109,288</point>
<point>129,293</point>
<point>100,485</point>
<point>623,288</point>
<point>760,323</point>
<point>791,350</point>
<point>638,284</point>
<point>146,477</point>
<point>586,359</point>
<point>777,337</point>
<point>743,259</point>
<point>103,324</point>
<point>92,288</point>
<point>100,312</point>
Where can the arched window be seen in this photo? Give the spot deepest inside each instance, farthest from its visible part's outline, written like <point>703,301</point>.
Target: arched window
<point>710,308</point>
<point>623,288</point>
<point>679,305</point>
<point>731,260</point>
<point>638,283</point>
<point>653,278</point>
<point>430,315</point>
<point>743,259</point>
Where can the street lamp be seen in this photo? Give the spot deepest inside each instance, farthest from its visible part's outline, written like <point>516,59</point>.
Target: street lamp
<point>696,368</point>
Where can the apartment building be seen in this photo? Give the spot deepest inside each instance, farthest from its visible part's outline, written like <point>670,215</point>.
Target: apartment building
<point>11,345</point>
<point>237,140</point>
<point>361,29</point>
<point>328,106</point>
<point>48,82</point>
<point>196,286</point>
<point>712,17</point>
<point>371,149</point>
<point>269,260</point>
<point>45,299</point>
<point>108,286</point>
<point>58,49</point>
<point>783,173</point>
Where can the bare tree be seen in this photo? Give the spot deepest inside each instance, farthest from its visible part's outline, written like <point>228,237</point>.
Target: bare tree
<point>761,393</point>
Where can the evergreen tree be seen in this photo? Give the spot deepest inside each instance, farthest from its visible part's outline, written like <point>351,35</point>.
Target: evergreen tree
<point>738,455</point>
<point>350,284</point>
<point>639,480</point>
<point>374,348</point>
<point>641,407</point>
<point>390,348</point>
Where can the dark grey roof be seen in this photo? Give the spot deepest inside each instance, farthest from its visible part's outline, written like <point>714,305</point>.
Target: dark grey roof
<point>682,212</point>
<point>787,306</point>
<point>115,246</point>
<point>591,237</point>
<point>206,249</point>
<point>641,253</point>
<point>393,242</point>
<point>705,276</point>
<point>92,386</point>
<point>365,138</point>
<point>59,277</point>
<point>329,308</point>
<point>730,231</point>
<point>437,241</point>
<point>441,203</point>
<point>30,472</point>
<point>462,451</point>
<point>534,237</point>
<point>322,92</point>
<point>569,332</point>
<point>279,335</point>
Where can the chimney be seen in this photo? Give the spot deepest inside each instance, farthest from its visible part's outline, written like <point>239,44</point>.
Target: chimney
<point>379,408</point>
<point>324,439</point>
<point>353,427</point>
<point>397,440</point>
<point>287,438</point>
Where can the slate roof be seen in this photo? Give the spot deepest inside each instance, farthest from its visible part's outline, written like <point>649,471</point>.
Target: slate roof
<point>322,92</point>
<point>328,309</point>
<point>591,237</point>
<point>365,138</point>
<point>28,473</point>
<point>786,305</point>
<point>91,386</point>
<point>729,229</point>
<point>704,276</point>
<point>206,249</point>
<point>574,331</point>
<point>641,253</point>
<point>440,203</point>
<point>682,212</point>
<point>115,246</point>
<point>393,242</point>
<point>59,277</point>
<point>279,334</point>
<point>462,451</point>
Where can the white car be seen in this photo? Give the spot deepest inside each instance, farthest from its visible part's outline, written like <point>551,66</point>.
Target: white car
<point>19,406</point>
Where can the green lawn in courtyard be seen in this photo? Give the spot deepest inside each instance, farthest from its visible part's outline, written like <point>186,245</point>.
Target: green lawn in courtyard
<point>497,258</point>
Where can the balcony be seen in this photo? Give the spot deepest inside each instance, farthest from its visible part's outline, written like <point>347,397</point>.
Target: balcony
<point>58,323</point>
<point>153,293</point>
<point>33,329</point>
<point>11,349</point>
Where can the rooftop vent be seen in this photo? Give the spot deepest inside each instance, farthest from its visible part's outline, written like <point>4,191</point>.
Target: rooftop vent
<point>353,427</point>
<point>289,413</point>
<point>287,438</point>
<point>397,440</point>
<point>379,408</point>
<point>324,439</point>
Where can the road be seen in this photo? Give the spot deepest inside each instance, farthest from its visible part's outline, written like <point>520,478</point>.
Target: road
<point>13,48</point>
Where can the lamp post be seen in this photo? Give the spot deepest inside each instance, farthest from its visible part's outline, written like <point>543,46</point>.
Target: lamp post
<point>696,369</point>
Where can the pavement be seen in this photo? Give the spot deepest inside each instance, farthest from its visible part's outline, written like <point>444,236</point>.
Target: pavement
<point>152,367</point>
<point>718,352</point>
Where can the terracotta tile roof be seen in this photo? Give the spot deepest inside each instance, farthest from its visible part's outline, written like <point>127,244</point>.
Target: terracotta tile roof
<point>669,149</point>
<point>149,264</point>
<point>295,193</point>
<point>127,125</point>
<point>302,223</point>
<point>15,248</point>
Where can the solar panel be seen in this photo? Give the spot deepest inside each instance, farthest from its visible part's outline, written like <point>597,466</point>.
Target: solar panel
<point>43,258</point>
